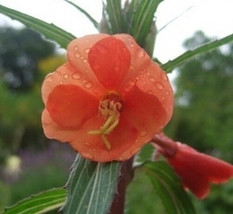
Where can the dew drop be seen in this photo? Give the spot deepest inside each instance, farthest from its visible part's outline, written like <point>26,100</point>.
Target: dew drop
<point>151,79</point>
<point>77,55</point>
<point>88,85</point>
<point>66,76</point>
<point>84,60</point>
<point>159,86</point>
<point>132,45</point>
<point>86,51</point>
<point>143,134</point>
<point>87,155</point>
<point>167,93</point>
<point>164,76</point>
<point>76,76</point>
<point>141,53</point>
<point>163,98</point>
<point>87,143</point>
<point>150,92</point>
<point>76,48</point>
<point>61,83</point>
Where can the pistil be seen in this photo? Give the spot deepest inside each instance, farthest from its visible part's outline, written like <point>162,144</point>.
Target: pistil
<point>110,110</point>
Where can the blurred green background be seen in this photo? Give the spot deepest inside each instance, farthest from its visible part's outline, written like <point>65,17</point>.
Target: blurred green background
<point>30,163</point>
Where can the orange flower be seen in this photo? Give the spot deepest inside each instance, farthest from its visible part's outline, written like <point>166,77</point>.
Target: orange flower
<point>108,100</point>
<point>197,170</point>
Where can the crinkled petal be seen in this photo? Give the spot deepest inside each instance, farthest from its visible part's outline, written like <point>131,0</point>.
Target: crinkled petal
<point>92,146</point>
<point>146,113</point>
<point>67,75</point>
<point>198,170</point>
<point>77,56</point>
<point>70,106</point>
<point>53,131</point>
<point>146,74</point>
<point>110,60</point>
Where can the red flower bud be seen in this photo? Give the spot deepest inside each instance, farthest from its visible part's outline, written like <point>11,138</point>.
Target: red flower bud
<point>197,170</point>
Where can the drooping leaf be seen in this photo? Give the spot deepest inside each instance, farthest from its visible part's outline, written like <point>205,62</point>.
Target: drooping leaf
<point>170,65</point>
<point>169,188</point>
<point>115,16</point>
<point>143,19</point>
<point>91,186</point>
<point>145,154</point>
<point>94,22</point>
<point>41,203</point>
<point>50,31</point>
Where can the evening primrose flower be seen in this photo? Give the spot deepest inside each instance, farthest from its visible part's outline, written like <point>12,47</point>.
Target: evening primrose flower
<point>108,100</point>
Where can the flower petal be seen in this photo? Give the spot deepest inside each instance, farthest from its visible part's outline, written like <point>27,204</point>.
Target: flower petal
<point>53,131</point>
<point>67,75</point>
<point>144,112</point>
<point>146,74</point>
<point>92,146</point>
<point>70,106</point>
<point>110,60</point>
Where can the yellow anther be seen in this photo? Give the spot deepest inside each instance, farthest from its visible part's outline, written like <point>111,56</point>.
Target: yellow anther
<point>110,111</point>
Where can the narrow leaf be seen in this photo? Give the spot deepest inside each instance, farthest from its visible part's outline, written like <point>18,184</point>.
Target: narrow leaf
<point>169,189</point>
<point>94,22</point>
<point>142,19</point>
<point>91,186</point>
<point>115,16</point>
<point>50,31</point>
<point>41,203</point>
<point>170,65</point>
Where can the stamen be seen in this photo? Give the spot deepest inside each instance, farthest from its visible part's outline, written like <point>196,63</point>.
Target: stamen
<point>110,110</point>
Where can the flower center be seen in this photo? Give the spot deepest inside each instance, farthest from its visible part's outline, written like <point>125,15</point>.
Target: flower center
<point>109,108</point>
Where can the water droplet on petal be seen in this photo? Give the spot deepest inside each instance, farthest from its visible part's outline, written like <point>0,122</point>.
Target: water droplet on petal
<point>167,93</point>
<point>61,83</point>
<point>141,53</point>
<point>151,79</point>
<point>88,85</point>
<point>87,143</point>
<point>87,155</point>
<point>143,134</point>
<point>132,45</point>
<point>77,55</point>
<point>66,76</point>
<point>163,98</point>
<point>164,77</point>
<point>159,86</point>
<point>84,60</point>
<point>150,92</point>
<point>76,76</point>
<point>86,51</point>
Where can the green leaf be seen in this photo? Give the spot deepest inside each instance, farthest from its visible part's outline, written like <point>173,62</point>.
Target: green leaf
<point>41,203</point>
<point>50,31</point>
<point>143,19</point>
<point>115,16</point>
<point>169,188</point>
<point>170,65</point>
<point>91,186</point>
<point>145,154</point>
<point>94,22</point>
